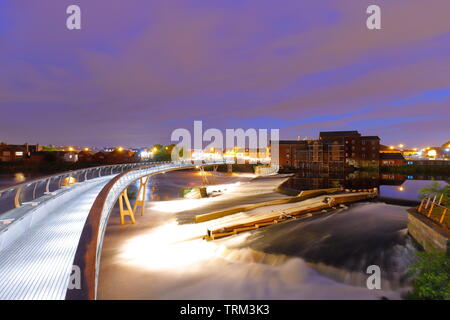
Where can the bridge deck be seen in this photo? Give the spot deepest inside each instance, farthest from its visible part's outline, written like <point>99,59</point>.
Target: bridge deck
<point>39,263</point>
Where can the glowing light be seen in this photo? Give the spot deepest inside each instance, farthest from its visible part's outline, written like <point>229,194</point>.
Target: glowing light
<point>204,173</point>
<point>168,248</point>
<point>19,177</point>
<point>68,181</point>
<point>70,149</point>
<point>401,189</point>
<point>86,149</point>
<point>145,154</point>
<point>120,149</point>
<point>401,145</point>
<point>391,147</point>
<point>432,153</point>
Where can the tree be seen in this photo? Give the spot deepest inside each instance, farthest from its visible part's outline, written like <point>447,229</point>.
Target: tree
<point>431,277</point>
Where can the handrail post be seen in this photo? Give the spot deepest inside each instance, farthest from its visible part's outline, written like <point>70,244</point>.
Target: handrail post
<point>441,221</point>
<point>421,204</point>
<point>432,206</point>
<point>34,190</point>
<point>47,186</point>
<point>17,203</point>
<point>428,202</point>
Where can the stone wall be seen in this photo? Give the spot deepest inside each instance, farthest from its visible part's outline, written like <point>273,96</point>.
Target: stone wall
<point>429,235</point>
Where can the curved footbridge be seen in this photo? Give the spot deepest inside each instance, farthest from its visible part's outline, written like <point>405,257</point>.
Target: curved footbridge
<point>51,229</point>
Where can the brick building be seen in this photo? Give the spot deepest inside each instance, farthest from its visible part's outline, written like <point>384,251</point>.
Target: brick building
<point>332,151</point>
<point>393,159</point>
<point>360,151</point>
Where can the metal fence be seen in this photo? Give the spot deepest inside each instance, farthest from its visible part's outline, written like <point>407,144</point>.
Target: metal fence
<point>433,209</point>
<point>29,192</point>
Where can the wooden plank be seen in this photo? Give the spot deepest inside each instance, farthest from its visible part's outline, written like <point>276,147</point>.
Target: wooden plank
<point>300,197</point>
<point>265,219</point>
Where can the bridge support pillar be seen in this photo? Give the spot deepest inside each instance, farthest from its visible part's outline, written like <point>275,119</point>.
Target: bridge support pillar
<point>140,199</point>
<point>125,212</point>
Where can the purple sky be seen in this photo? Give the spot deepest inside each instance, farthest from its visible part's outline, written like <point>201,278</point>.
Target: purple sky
<point>139,69</point>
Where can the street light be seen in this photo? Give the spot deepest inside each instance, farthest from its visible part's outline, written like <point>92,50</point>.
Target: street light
<point>120,149</point>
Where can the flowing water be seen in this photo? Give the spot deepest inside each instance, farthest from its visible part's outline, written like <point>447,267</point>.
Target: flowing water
<point>322,257</point>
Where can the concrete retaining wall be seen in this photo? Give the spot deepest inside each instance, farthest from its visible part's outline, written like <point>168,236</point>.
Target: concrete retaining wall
<point>430,236</point>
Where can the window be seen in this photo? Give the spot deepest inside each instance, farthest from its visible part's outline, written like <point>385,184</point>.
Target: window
<point>19,153</point>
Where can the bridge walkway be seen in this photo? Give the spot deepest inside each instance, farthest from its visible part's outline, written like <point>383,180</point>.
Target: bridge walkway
<point>38,265</point>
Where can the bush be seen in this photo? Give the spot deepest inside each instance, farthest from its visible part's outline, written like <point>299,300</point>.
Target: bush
<point>431,277</point>
<point>435,189</point>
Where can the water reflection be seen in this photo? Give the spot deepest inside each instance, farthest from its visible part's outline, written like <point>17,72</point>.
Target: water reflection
<point>14,178</point>
<point>397,187</point>
<point>19,177</point>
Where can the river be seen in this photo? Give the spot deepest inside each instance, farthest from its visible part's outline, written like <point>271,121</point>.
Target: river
<point>324,257</point>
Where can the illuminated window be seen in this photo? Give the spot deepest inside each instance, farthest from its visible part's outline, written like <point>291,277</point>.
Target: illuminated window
<point>19,153</point>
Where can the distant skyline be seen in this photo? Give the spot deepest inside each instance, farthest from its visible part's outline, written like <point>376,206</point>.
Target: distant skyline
<point>139,69</point>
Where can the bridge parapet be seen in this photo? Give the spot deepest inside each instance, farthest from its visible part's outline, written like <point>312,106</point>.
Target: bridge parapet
<point>16,200</point>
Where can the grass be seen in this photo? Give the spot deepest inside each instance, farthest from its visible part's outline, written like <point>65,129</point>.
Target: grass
<point>431,277</point>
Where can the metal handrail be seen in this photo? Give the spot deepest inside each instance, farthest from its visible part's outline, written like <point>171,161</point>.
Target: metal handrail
<point>88,253</point>
<point>14,196</point>
<point>423,208</point>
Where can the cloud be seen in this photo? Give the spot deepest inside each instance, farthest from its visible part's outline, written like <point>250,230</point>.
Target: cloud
<point>138,69</point>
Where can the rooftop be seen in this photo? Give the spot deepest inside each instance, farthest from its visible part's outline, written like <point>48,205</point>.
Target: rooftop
<point>391,156</point>
<point>339,133</point>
